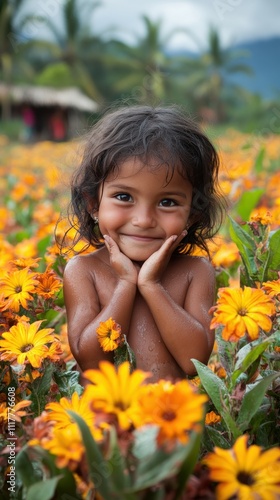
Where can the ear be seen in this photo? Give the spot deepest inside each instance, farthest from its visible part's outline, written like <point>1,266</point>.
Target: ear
<point>91,205</point>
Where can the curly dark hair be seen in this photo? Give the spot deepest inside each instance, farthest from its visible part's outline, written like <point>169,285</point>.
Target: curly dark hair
<point>164,134</point>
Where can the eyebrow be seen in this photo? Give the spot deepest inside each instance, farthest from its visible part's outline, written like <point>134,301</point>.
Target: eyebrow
<point>181,194</point>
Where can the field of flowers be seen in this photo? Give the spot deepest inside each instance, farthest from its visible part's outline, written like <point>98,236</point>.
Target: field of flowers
<point>215,436</point>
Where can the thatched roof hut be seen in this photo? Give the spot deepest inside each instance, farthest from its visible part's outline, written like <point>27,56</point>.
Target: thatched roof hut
<point>48,105</point>
<point>70,97</point>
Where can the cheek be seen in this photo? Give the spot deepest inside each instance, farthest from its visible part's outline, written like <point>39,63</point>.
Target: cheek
<point>110,216</point>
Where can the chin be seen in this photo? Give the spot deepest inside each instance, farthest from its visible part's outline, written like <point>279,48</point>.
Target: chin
<point>138,257</point>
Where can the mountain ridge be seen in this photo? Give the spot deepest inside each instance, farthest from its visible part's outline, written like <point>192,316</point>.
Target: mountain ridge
<point>263,58</point>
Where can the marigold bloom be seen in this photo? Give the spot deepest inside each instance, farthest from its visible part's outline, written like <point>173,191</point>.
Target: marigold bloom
<point>245,472</point>
<point>176,409</point>
<point>272,288</point>
<point>17,287</point>
<point>26,343</point>
<point>242,311</point>
<point>67,445</point>
<point>212,418</point>
<point>59,411</point>
<point>115,391</point>
<point>48,284</point>
<point>27,262</point>
<point>15,413</point>
<point>109,335</point>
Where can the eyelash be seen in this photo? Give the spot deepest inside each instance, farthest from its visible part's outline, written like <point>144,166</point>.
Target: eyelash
<point>119,196</point>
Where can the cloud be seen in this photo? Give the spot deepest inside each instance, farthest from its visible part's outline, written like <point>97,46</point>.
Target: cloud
<point>236,20</point>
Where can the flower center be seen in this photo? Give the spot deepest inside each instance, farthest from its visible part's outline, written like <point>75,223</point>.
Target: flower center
<point>18,289</point>
<point>169,415</point>
<point>242,312</point>
<point>245,478</point>
<point>27,347</point>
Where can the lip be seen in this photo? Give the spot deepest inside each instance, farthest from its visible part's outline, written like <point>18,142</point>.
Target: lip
<point>138,237</point>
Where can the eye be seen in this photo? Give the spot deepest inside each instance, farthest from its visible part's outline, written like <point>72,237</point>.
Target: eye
<point>123,197</point>
<point>168,202</point>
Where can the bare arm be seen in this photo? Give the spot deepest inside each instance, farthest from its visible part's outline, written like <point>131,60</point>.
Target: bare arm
<point>184,330</point>
<point>84,312</point>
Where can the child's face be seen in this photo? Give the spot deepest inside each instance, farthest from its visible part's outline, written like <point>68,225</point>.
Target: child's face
<point>140,211</point>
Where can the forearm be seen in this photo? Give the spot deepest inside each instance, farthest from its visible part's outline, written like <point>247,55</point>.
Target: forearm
<point>184,336</point>
<point>88,351</point>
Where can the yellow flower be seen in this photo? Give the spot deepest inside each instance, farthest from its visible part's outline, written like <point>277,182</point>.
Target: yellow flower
<point>242,311</point>
<point>246,473</point>
<point>115,391</point>
<point>67,445</point>
<point>17,287</point>
<point>176,409</point>
<point>26,343</point>
<point>264,217</point>
<point>59,411</point>
<point>272,288</point>
<point>109,335</point>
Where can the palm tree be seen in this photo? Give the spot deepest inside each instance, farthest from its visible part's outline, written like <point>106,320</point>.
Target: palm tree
<point>143,70</point>
<point>209,76</point>
<point>73,44</point>
<point>12,66</point>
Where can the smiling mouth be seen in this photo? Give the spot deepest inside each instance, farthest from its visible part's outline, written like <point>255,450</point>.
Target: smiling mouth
<point>141,238</point>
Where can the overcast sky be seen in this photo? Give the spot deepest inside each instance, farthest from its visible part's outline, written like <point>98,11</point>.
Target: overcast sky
<point>236,20</point>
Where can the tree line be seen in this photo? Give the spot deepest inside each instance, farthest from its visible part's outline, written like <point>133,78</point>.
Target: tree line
<point>73,53</point>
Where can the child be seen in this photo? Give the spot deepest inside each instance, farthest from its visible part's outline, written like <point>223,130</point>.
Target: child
<point>144,195</point>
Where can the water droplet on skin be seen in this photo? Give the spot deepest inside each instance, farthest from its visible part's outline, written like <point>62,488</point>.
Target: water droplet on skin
<point>151,346</point>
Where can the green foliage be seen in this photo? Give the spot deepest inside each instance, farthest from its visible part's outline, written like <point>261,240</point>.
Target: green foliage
<point>56,75</point>
<point>259,250</point>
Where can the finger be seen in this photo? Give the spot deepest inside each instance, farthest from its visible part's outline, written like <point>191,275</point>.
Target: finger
<point>110,243</point>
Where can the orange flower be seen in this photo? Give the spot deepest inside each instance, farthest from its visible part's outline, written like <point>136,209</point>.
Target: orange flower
<point>14,413</point>
<point>242,311</point>
<point>109,335</point>
<point>212,418</point>
<point>272,288</point>
<point>176,409</point>
<point>18,287</point>
<point>48,284</point>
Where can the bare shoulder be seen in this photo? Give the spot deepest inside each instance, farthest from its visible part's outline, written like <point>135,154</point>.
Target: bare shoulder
<point>193,265</point>
<point>83,264</point>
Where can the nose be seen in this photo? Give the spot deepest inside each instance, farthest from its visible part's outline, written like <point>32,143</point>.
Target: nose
<point>144,217</point>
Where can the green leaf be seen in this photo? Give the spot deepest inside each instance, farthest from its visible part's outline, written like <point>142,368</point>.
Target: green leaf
<point>247,355</point>
<point>68,382</point>
<point>274,246</point>
<point>218,393</point>
<point>116,465</point>
<point>253,400</point>
<point>41,387</point>
<point>25,469</point>
<point>188,465</point>
<point>247,202</point>
<point>161,465</point>
<point>125,353</point>
<point>44,489</point>
<point>95,460</point>
<point>213,437</point>
<point>43,245</point>
<point>246,246</point>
